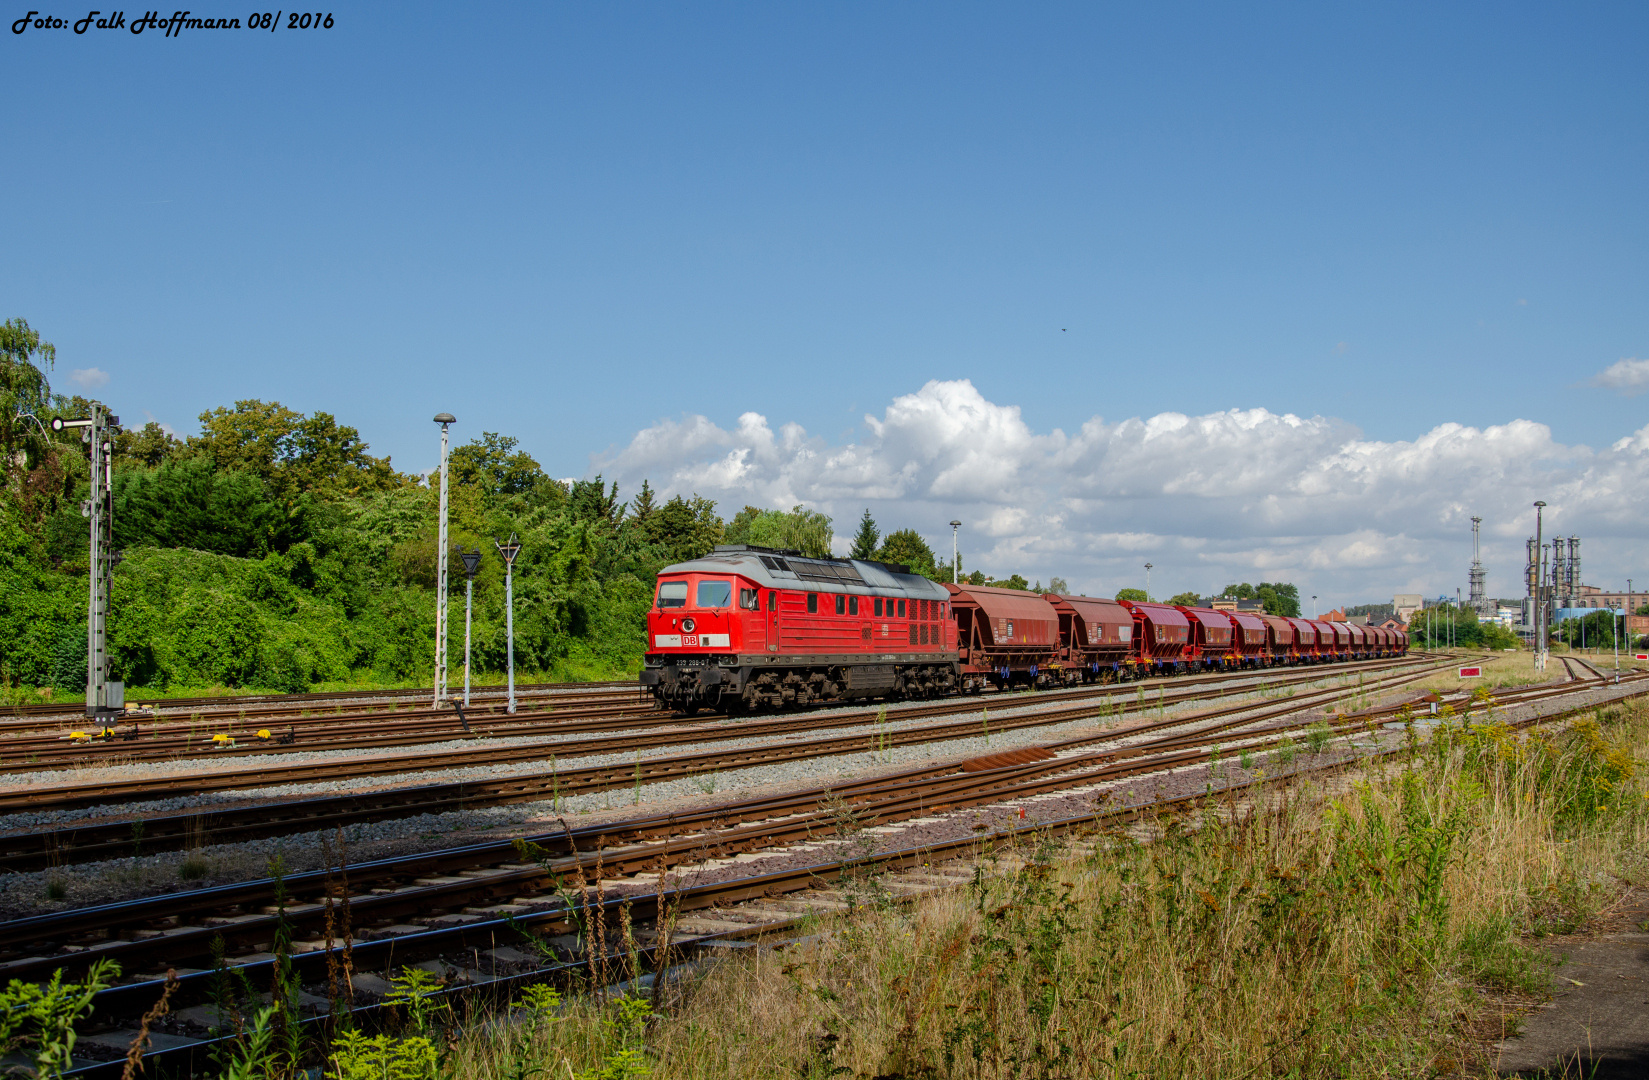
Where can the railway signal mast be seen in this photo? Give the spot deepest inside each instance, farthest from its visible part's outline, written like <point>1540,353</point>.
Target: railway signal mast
<point>104,699</point>
<point>472,563</point>
<point>509,551</point>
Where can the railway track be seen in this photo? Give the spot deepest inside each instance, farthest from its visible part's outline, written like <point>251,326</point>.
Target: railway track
<point>655,842</point>
<point>278,704</point>
<point>34,850</point>
<point>72,795</point>
<point>32,746</point>
<point>466,943</point>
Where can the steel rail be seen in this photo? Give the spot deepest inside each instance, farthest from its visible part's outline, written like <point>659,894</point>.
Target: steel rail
<point>66,796</point>
<point>36,849</point>
<point>980,779</point>
<point>461,939</point>
<point>904,795</point>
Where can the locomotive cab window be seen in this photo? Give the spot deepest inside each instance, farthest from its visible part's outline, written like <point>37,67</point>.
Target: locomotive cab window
<point>812,603</point>
<point>841,604</point>
<point>749,600</point>
<point>876,608</point>
<point>901,609</point>
<point>672,594</point>
<point>715,594</point>
<point>772,600</point>
<point>853,605</point>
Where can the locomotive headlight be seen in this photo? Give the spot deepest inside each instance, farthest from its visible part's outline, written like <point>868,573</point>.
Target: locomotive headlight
<point>687,625</point>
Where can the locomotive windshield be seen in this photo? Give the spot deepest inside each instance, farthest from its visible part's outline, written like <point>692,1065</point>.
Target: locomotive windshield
<point>714,594</point>
<point>672,594</point>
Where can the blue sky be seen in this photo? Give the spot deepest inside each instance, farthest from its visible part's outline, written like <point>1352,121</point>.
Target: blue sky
<point>575,223</point>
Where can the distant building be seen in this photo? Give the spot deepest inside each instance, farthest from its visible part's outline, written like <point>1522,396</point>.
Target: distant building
<point>1394,623</point>
<point>1231,603</point>
<point>1337,615</point>
<point>1407,604</point>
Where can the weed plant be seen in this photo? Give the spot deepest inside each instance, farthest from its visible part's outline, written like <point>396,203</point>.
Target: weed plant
<point>1348,938</point>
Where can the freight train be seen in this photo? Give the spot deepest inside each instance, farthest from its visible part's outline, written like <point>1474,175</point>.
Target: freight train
<point>748,628</point>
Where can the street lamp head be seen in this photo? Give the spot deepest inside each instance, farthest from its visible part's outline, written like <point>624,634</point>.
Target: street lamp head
<point>956,524</point>
<point>1538,505</point>
<point>445,418</point>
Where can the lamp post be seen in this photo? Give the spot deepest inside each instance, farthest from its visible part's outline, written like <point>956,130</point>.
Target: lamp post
<point>472,563</point>
<point>443,419</point>
<point>509,551</point>
<point>955,566</point>
<point>1539,591</point>
<point>1313,605</point>
<point>1147,583</point>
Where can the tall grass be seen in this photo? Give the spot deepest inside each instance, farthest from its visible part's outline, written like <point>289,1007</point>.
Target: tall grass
<point>1312,937</point>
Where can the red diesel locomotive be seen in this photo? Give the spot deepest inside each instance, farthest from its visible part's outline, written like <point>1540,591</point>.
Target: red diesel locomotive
<point>753,628</point>
<point>747,627</point>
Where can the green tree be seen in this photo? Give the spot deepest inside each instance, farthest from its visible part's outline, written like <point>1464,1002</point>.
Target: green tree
<point>588,500</point>
<point>866,539</point>
<point>325,456</point>
<point>1135,595</point>
<point>1013,581</point>
<point>1059,585</point>
<point>738,530</point>
<point>643,507</point>
<point>252,437</point>
<point>803,530</point>
<point>1279,597</point>
<point>685,529</point>
<point>150,446</point>
<point>1188,599</point>
<point>907,548</point>
<point>493,464</point>
<point>23,387</point>
<point>976,578</point>
<point>186,503</point>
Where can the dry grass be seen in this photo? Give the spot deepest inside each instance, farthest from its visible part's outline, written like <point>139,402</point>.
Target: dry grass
<point>1361,936</point>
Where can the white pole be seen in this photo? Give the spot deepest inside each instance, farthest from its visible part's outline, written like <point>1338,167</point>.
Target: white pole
<point>441,556</point>
<point>469,603</point>
<point>509,624</point>
<point>954,566</point>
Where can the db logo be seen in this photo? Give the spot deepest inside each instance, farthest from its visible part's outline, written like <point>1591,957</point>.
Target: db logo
<point>689,641</point>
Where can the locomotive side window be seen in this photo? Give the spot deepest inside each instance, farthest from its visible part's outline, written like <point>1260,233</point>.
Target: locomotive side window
<point>672,594</point>
<point>841,604</point>
<point>876,608</point>
<point>772,600</point>
<point>812,603</point>
<point>901,609</point>
<point>853,605</point>
<point>748,600</point>
<point>715,594</point>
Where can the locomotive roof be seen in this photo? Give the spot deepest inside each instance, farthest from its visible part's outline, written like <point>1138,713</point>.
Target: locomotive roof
<point>789,570</point>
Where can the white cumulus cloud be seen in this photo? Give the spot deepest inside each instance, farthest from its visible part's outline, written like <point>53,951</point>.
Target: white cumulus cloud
<point>1238,495</point>
<point>1628,378</point>
<point>89,378</point>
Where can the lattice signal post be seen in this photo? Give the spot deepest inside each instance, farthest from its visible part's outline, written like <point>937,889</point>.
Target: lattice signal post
<point>103,698</point>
